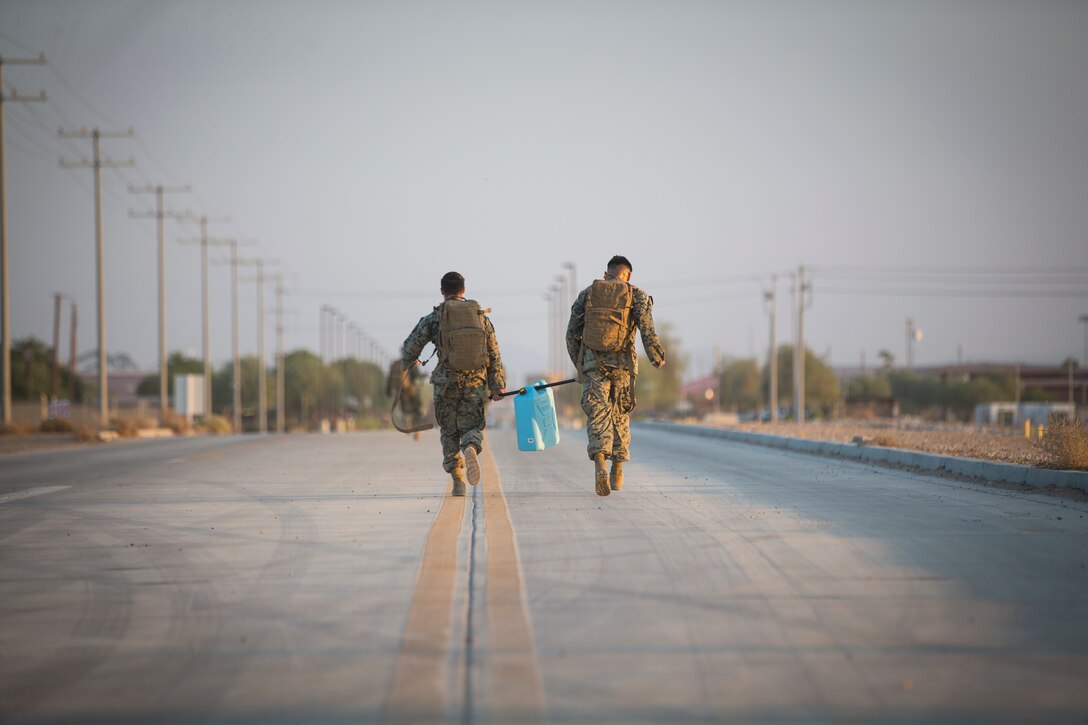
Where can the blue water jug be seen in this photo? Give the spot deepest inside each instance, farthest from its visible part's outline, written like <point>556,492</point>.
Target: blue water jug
<point>534,411</point>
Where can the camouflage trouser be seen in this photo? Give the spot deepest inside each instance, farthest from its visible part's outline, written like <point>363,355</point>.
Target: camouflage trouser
<point>410,403</point>
<point>460,411</point>
<point>608,397</point>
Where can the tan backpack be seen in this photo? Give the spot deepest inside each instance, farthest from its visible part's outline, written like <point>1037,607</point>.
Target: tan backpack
<point>608,315</point>
<point>462,341</point>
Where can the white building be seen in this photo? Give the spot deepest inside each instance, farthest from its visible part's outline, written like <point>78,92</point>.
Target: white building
<point>999,413</point>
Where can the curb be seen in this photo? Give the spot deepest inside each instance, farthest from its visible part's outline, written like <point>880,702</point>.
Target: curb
<point>948,465</point>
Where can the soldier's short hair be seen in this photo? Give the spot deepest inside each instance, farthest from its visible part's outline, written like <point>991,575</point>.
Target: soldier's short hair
<point>617,261</point>
<point>452,283</point>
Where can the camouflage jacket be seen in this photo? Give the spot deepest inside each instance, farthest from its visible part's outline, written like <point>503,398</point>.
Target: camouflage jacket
<point>641,317</point>
<point>427,331</point>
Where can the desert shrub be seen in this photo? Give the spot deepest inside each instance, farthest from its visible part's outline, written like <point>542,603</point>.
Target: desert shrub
<point>85,434</point>
<point>177,423</point>
<point>886,440</point>
<point>216,425</point>
<point>126,427</point>
<point>17,429</point>
<point>56,425</point>
<point>1065,443</point>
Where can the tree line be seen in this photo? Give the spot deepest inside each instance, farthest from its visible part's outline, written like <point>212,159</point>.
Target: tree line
<point>312,389</point>
<point>745,384</point>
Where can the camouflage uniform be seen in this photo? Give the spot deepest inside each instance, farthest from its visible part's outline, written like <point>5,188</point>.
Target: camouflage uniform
<point>460,398</point>
<point>608,378</point>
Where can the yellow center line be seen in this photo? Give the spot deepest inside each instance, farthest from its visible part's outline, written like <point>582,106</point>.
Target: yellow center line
<point>514,690</point>
<point>417,693</point>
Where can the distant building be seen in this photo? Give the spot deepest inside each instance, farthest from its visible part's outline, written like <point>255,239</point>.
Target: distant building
<point>700,396</point>
<point>1007,413</point>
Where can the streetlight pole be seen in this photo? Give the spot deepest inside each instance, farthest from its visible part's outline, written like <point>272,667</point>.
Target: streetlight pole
<point>560,331</point>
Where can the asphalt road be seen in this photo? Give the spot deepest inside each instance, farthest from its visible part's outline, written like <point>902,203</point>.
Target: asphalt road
<point>318,579</point>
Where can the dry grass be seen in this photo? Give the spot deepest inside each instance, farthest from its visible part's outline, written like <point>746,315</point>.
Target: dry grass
<point>885,440</point>
<point>18,429</point>
<point>56,425</point>
<point>1065,444</point>
<point>177,423</point>
<point>85,434</point>
<point>216,425</point>
<point>126,427</point>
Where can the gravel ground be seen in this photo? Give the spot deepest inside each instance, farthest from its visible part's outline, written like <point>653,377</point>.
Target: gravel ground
<point>989,443</point>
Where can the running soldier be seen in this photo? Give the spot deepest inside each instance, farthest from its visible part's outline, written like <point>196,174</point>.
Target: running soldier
<point>601,344</point>
<point>469,371</point>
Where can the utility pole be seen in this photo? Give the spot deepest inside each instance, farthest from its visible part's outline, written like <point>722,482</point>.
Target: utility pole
<point>321,326</point>
<point>262,380</point>
<point>281,400</point>
<point>54,371</point>
<point>5,270</point>
<point>96,165</point>
<point>160,214</point>
<point>803,303</point>
<point>75,357</point>
<point>205,335</point>
<point>236,374</point>
<point>1083,319</point>
<point>236,379</point>
<point>771,298</point>
<point>1016,383</point>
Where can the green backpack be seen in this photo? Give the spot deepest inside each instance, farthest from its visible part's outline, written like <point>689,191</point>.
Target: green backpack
<point>462,343</point>
<point>608,315</point>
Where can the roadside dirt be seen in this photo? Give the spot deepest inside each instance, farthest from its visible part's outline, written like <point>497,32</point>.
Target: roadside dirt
<point>982,442</point>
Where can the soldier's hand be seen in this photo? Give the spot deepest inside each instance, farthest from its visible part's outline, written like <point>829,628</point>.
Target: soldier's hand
<point>496,395</point>
<point>659,363</point>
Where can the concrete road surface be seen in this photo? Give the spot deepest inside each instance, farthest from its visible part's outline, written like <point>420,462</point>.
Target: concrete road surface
<point>318,579</point>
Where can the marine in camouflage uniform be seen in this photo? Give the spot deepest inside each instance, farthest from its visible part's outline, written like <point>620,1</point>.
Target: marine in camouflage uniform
<point>608,378</point>
<point>460,397</point>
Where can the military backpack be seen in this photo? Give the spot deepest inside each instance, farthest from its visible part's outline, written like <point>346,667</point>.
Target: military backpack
<point>608,315</point>
<point>462,342</point>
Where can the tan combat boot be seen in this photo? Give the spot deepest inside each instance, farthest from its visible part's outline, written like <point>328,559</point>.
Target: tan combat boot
<point>600,475</point>
<point>472,464</point>
<point>615,476</point>
<point>458,475</point>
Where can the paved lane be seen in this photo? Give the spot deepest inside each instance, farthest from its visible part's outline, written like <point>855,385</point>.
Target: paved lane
<point>738,583</point>
<point>328,579</point>
<point>229,580</point>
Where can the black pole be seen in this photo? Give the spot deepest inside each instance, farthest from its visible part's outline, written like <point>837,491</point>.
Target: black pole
<point>523,391</point>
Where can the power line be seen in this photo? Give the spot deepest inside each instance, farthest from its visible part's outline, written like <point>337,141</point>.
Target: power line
<point>36,149</point>
<point>996,293</point>
<point>949,269</point>
<point>18,44</point>
<point>70,87</point>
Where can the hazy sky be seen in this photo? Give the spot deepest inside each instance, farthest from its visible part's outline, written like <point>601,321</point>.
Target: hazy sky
<point>373,146</point>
